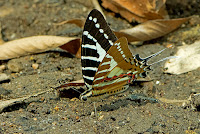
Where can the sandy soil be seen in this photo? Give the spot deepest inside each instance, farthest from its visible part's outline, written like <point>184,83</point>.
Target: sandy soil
<point>49,113</point>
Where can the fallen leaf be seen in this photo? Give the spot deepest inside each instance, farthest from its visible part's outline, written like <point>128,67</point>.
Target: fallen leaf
<point>74,47</point>
<point>8,103</point>
<point>151,29</point>
<point>140,10</point>
<point>79,22</point>
<point>29,45</point>
<point>4,77</point>
<point>188,59</point>
<point>97,6</point>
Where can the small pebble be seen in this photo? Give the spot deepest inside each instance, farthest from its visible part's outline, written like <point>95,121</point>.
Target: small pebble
<point>4,91</point>
<point>4,76</point>
<point>56,108</point>
<point>77,117</point>
<point>157,82</point>
<point>92,114</point>
<point>101,117</point>
<point>74,99</point>
<point>35,66</point>
<point>14,66</point>
<point>2,67</point>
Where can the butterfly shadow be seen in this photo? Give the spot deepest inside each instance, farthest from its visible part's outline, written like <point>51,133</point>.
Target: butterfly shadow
<point>110,104</point>
<point>132,99</point>
<point>128,97</point>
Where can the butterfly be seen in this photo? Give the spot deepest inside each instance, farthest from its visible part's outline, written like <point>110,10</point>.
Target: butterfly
<point>108,66</point>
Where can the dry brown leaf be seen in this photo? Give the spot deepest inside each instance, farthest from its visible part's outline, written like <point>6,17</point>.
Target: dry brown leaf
<point>7,103</point>
<point>140,10</point>
<point>79,22</point>
<point>151,29</point>
<point>31,45</point>
<point>98,7</point>
<point>73,47</point>
<point>188,59</point>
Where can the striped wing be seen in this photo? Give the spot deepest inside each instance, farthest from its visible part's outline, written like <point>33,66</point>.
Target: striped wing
<point>118,63</point>
<point>116,71</point>
<point>96,40</point>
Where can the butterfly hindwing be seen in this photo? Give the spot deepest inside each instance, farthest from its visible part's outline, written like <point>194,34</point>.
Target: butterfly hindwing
<point>117,61</point>
<point>96,40</point>
<point>111,76</point>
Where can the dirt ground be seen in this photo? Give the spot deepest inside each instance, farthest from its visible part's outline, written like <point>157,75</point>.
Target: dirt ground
<point>123,113</point>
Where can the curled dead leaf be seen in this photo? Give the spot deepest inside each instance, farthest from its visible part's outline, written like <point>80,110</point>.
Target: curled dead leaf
<point>151,29</point>
<point>29,45</point>
<point>140,10</point>
<point>188,59</point>
<point>8,103</point>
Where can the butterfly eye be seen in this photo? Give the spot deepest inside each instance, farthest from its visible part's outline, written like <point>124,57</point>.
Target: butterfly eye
<point>84,98</point>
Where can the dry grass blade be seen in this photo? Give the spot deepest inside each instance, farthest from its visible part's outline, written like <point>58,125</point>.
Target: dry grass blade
<point>140,10</point>
<point>31,45</point>
<point>151,29</point>
<point>188,59</point>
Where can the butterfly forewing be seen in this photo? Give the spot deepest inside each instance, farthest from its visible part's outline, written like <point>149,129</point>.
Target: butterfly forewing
<point>96,40</point>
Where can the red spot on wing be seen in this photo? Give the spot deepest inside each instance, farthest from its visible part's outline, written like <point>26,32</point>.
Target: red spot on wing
<point>120,76</point>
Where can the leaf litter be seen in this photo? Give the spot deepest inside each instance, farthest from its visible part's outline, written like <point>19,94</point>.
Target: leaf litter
<point>188,59</point>
<point>140,10</point>
<point>136,110</point>
<point>30,45</point>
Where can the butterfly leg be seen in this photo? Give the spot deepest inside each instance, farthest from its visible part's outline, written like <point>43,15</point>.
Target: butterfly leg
<point>95,109</point>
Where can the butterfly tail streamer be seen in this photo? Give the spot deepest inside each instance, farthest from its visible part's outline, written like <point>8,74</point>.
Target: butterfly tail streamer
<point>166,58</point>
<point>149,57</point>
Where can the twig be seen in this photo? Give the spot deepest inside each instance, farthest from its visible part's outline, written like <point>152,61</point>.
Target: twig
<point>172,101</point>
<point>6,103</point>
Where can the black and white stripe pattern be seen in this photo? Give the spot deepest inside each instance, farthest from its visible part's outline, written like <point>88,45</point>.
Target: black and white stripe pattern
<point>96,40</point>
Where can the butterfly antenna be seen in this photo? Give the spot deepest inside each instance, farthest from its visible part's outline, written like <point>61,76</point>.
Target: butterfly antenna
<point>155,54</point>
